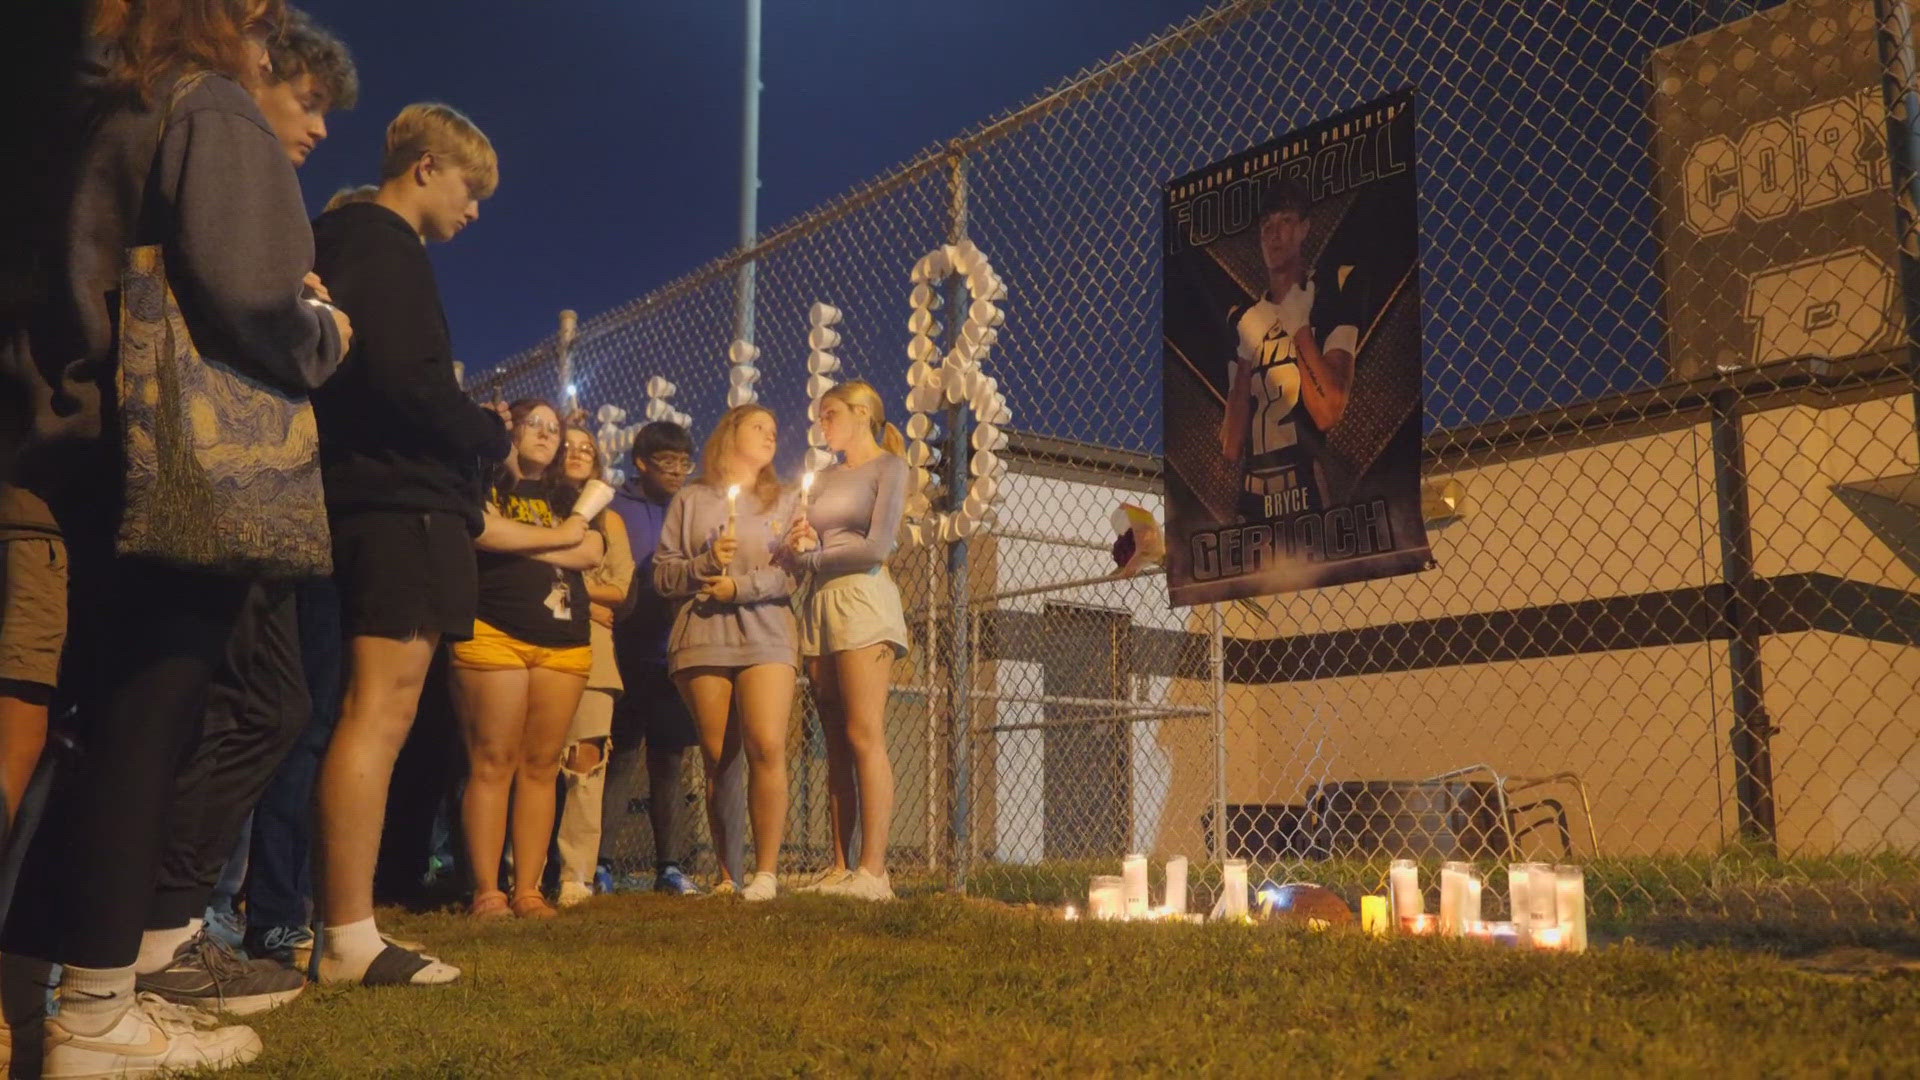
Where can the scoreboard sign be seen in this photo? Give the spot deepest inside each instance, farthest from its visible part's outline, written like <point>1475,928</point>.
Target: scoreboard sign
<point>1775,200</point>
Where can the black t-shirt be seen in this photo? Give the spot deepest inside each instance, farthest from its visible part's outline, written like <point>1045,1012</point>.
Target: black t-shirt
<point>523,597</point>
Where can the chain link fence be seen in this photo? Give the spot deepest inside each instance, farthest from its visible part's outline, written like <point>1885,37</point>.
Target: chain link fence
<point>1673,629</point>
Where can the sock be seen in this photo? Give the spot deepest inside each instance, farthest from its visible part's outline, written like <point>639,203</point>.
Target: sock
<point>158,946</point>
<point>355,944</point>
<point>92,1000</point>
<point>352,948</point>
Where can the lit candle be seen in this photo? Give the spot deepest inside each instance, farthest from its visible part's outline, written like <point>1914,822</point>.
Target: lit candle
<point>1546,937</point>
<point>1453,879</point>
<point>1570,884</point>
<point>1470,902</point>
<point>1106,898</point>
<point>1403,879</point>
<point>1517,897</point>
<point>733,506</point>
<point>1177,884</point>
<point>1072,913</point>
<point>1133,872</point>
<point>1419,925</point>
<point>1373,915</point>
<point>1233,885</point>
<point>806,487</point>
<point>1543,892</point>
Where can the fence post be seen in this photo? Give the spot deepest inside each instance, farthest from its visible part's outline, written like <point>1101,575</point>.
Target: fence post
<point>1900,87</point>
<point>1752,733</point>
<point>960,658</point>
<point>1217,671</point>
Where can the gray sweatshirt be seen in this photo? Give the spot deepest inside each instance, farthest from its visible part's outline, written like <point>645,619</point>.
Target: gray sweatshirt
<point>857,513</point>
<point>757,626</point>
<point>224,202</point>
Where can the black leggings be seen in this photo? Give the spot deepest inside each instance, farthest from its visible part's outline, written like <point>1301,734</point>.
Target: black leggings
<point>256,708</point>
<point>145,644</point>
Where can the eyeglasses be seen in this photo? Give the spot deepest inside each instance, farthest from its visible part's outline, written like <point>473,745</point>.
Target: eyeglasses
<point>544,427</point>
<point>676,466</point>
<point>581,449</point>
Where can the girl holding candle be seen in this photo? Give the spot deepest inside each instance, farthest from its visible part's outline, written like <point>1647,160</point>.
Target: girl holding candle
<point>734,642</point>
<point>852,628</point>
<point>518,682</point>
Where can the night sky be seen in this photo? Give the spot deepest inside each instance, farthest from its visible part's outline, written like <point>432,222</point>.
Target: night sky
<point>618,122</point>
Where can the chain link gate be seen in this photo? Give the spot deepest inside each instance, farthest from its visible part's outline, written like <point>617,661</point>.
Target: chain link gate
<point>1673,631</point>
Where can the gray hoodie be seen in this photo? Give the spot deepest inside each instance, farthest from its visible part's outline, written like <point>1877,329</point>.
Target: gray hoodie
<point>226,206</point>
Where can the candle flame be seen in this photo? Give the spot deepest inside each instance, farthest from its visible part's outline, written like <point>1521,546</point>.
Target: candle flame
<point>733,491</point>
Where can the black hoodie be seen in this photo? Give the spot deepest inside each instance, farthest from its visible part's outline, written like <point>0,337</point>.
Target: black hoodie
<point>396,433</point>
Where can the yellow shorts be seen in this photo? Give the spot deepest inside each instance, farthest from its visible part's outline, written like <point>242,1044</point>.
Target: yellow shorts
<point>491,650</point>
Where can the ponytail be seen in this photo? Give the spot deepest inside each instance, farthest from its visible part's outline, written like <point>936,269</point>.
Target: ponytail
<point>891,440</point>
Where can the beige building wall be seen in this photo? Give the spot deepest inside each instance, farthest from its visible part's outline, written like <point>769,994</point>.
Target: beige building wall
<point>1646,728</point>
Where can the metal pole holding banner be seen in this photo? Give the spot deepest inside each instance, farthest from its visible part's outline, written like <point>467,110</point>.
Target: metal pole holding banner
<point>1752,733</point>
<point>743,298</point>
<point>960,665</point>
<point>1900,88</point>
<point>1217,671</point>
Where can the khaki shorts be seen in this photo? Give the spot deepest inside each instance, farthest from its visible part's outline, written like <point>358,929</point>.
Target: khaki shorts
<point>492,650</point>
<point>33,609</point>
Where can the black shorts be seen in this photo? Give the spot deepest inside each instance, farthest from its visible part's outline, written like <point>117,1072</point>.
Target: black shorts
<point>651,710</point>
<point>402,574</point>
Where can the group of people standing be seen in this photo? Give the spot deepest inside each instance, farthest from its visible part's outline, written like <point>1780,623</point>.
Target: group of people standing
<point>200,696</point>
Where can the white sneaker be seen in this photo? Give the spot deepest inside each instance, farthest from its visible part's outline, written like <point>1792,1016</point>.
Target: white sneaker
<point>574,893</point>
<point>861,885</point>
<point>826,881</point>
<point>761,886</point>
<point>155,1036</point>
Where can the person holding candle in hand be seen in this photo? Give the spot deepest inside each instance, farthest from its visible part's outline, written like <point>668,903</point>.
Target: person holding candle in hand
<point>852,627</point>
<point>734,643</point>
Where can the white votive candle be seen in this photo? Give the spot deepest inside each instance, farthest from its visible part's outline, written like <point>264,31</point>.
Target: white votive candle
<point>1517,897</point>
<point>1453,880</point>
<point>1177,885</point>
<point>1470,913</point>
<point>1106,898</point>
<point>1543,899</point>
<point>733,506</point>
<point>1133,874</point>
<point>1570,883</point>
<point>1403,881</point>
<point>1233,885</point>
<point>806,487</point>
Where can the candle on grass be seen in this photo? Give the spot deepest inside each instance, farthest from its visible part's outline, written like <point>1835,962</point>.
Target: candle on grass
<point>1403,879</point>
<point>1470,913</point>
<point>1373,915</point>
<point>1177,885</point>
<point>1543,900</point>
<point>1106,897</point>
<point>1233,884</point>
<point>1072,913</point>
<point>1420,925</point>
<point>1570,884</point>
<point>1517,897</point>
<point>1133,872</point>
<point>1453,878</point>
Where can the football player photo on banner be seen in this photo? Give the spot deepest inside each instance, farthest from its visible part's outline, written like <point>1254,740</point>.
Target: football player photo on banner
<point>1292,362</point>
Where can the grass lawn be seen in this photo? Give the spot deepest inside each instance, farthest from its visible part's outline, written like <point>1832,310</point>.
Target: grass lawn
<point>645,985</point>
